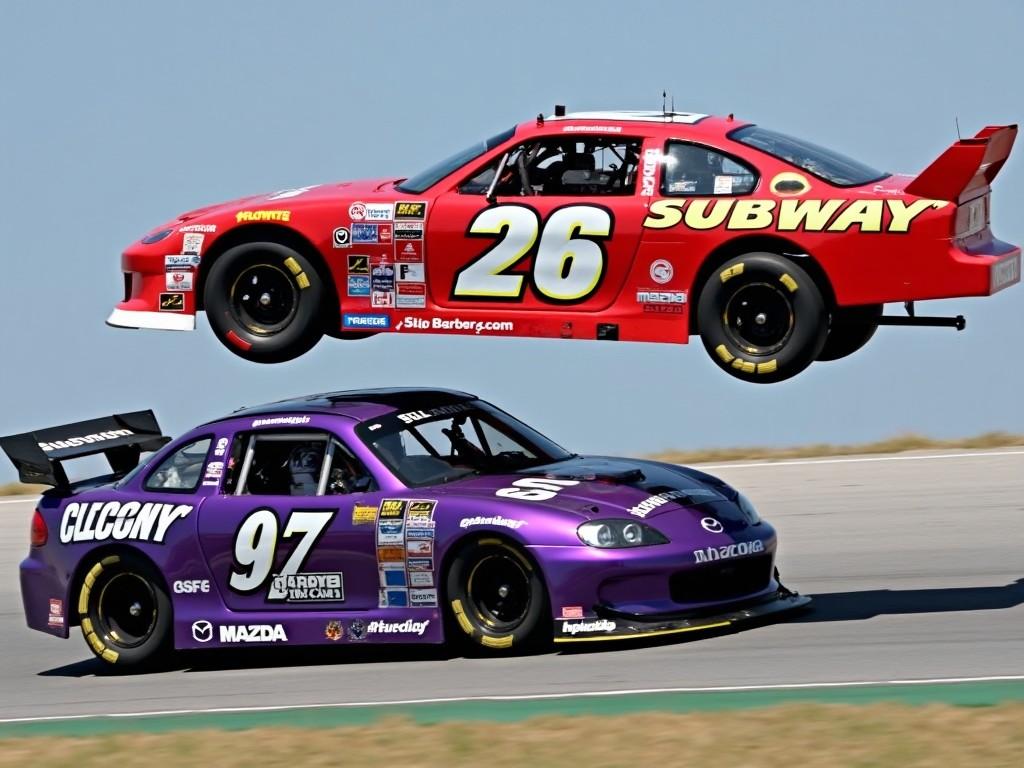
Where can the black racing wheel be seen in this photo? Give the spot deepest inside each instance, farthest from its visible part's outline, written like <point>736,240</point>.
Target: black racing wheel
<point>125,611</point>
<point>851,329</point>
<point>496,596</point>
<point>762,318</point>
<point>265,302</point>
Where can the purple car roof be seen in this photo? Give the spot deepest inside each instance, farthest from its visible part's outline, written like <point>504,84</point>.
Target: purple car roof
<point>358,404</point>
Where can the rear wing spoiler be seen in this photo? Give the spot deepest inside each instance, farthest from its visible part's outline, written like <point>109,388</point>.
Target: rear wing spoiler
<point>968,165</point>
<point>121,438</point>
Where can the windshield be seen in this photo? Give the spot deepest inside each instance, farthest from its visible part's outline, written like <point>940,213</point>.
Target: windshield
<point>433,446</point>
<point>424,180</point>
<point>831,166</point>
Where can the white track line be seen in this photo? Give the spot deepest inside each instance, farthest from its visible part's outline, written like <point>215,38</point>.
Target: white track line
<point>20,500</point>
<point>860,460</point>
<point>520,697</point>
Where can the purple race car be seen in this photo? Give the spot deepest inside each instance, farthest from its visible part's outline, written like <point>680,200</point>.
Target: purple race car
<point>378,516</point>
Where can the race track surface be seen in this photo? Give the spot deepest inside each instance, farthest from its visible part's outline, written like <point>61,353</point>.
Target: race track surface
<point>915,564</point>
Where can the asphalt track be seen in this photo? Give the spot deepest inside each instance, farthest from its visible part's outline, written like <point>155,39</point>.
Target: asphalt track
<point>915,563</point>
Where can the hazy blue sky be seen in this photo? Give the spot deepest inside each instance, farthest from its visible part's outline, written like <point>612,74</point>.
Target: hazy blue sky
<point>117,116</point>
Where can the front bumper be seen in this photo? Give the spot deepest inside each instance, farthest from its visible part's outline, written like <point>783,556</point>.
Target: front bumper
<point>164,321</point>
<point>633,627</point>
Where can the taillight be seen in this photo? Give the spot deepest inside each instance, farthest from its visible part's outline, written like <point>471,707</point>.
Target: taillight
<point>39,532</point>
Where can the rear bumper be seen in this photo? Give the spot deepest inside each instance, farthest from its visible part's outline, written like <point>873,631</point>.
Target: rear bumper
<point>628,628</point>
<point>45,597</point>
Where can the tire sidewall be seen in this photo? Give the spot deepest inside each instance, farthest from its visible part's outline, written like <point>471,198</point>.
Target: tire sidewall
<point>529,634</point>
<point>159,640</point>
<point>810,319</point>
<point>304,329</point>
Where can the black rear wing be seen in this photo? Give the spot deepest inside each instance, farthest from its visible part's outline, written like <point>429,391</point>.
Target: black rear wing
<point>122,438</point>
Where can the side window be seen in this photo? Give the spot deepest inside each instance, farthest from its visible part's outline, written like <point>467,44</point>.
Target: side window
<point>690,169</point>
<point>580,166</point>
<point>293,464</point>
<point>182,470</point>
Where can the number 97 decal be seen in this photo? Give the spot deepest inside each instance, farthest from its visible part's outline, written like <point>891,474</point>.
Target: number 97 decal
<point>570,258</point>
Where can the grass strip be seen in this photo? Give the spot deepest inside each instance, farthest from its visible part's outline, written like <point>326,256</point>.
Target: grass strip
<point>814,734</point>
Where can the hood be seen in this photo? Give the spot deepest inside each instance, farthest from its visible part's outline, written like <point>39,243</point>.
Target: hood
<point>335,192</point>
<point>611,487</point>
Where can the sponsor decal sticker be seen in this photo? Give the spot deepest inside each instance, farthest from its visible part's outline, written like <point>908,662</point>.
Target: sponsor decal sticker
<point>458,325</point>
<point>410,272</point>
<point>277,421</point>
<point>56,615</point>
<point>711,525</point>
<point>181,261</point>
<point>120,521</point>
<point>408,230</point>
<point>364,233</point>
<point>392,509</point>
<point>363,514</point>
<point>396,598</point>
<point>358,285</point>
<point>379,212</point>
<point>202,631</point>
<point>420,548</point>
<point>411,417</point>
<point>192,243</point>
<point>306,587</point>
<point>421,579</point>
<point>421,508</point>
<point>421,533</point>
<point>191,587</point>
<point>179,279</point>
<point>423,597</point>
<point>648,505</point>
<point>393,576</point>
<point>1005,273</point>
<point>172,302</point>
<point>410,210</point>
<point>411,296</point>
<point>648,171</point>
<point>207,228</point>
<point>367,321</point>
<point>252,633</point>
<point>498,520</point>
<point>661,271</point>
<point>221,448</point>
<point>358,265</point>
<point>420,564</point>
<point>790,214</point>
<point>333,631</point>
<point>598,625</point>
<point>382,299</point>
<point>409,252</point>
<point>341,238</point>
<point>391,554</point>
<point>263,216</point>
<point>384,233</point>
<point>727,551</point>
<point>661,297</point>
<point>572,611</point>
<point>74,442</point>
<point>357,629</point>
<point>407,627</point>
<point>357,211</point>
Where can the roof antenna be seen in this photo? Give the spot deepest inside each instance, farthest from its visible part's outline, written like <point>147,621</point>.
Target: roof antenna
<point>672,104</point>
<point>956,119</point>
<point>663,97</point>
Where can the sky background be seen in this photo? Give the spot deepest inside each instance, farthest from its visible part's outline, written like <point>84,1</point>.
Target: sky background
<point>117,116</point>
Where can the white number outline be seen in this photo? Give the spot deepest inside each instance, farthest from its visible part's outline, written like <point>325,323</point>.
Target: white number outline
<point>485,268</point>
<point>310,523</point>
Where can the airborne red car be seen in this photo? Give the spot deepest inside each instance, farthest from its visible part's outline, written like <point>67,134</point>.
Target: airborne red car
<point>623,226</point>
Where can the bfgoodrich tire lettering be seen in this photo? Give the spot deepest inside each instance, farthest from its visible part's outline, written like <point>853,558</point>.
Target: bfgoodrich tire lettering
<point>124,610</point>
<point>851,329</point>
<point>265,302</point>
<point>496,597</point>
<point>762,318</point>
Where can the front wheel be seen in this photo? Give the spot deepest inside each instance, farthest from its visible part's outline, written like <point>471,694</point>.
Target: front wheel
<point>265,302</point>
<point>496,596</point>
<point>762,318</point>
<point>125,611</point>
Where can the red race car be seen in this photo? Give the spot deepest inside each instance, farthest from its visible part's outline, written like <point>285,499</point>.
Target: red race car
<point>623,226</point>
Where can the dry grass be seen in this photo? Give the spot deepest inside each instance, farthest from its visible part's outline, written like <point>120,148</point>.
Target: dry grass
<point>21,489</point>
<point>897,444</point>
<point>811,735</point>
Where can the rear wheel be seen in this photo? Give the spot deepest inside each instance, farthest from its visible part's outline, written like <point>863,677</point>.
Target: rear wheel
<point>265,302</point>
<point>496,596</point>
<point>851,329</point>
<point>125,611</point>
<point>762,318</point>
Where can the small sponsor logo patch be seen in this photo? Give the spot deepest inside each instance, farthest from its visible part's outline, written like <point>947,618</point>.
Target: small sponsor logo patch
<point>598,625</point>
<point>341,238</point>
<point>369,321</point>
<point>172,302</point>
<point>334,631</point>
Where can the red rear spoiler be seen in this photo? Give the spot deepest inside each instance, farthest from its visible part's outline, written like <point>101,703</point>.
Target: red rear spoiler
<point>966,166</point>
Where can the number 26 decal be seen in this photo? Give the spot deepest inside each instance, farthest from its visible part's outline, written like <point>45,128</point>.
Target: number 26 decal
<point>570,258</point>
